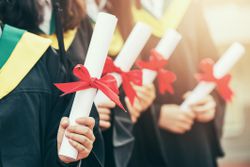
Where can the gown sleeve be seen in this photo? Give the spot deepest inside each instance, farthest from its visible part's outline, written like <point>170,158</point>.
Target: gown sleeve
<point>21,128</point>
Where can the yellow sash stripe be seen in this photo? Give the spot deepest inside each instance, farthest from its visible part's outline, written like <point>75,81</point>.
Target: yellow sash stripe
<point>68,36</point>
<point>116,43</point>
<point>171,18</point>
<point>26,54</point>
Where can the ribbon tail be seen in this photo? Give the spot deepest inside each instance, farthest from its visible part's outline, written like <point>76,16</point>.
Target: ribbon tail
<point>110,94</point>
<point>129,91</point>
<point>223,88</point>
<point>70,87</point>
<point>165,87</point>
<point>165,81</point>
<point>226,93</point>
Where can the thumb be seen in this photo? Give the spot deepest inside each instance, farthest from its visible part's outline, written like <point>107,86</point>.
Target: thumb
<point>186,95</point>
<point>63,126</point>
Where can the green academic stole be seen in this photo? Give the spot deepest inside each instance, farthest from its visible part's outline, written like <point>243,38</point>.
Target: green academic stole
<point>19,52</point>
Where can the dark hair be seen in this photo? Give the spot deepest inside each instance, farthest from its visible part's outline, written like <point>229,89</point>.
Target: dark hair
<point>27,14</point>
<point>24,14</point>
<point>74,12</point>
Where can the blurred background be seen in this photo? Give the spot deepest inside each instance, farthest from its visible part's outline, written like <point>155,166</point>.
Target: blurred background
<point>229,21</point>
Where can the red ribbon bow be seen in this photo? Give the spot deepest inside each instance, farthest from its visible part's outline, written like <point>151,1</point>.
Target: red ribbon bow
<point>157,63</point>
<point>134,76</point>
<point>222,84</point>
<point>106,84</point>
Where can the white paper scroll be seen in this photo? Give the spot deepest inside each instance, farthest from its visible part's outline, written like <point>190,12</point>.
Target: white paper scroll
<point>130,51</point>
<point>165,47</point>
<point>221,68</point>
<point>95,59</point>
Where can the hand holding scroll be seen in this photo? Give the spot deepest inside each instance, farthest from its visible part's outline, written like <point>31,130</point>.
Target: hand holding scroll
<point>80,136</point>
<point>173,119</point>
<point>146,94</point>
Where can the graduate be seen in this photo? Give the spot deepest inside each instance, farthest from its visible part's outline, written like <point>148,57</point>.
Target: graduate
<point>188,138</point>
<point>144,131</point>
<point>76,31</point>
<point>116,124</point>
<point>30,106</point>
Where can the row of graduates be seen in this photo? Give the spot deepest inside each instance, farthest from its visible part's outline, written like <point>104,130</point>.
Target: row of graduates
<point>154,132</point>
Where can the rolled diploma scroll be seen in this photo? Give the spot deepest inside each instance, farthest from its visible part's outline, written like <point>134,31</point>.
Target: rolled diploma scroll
<point>95,59</point>
<point>133,46</point>
<point>165,47</point>
<point>221,68</point>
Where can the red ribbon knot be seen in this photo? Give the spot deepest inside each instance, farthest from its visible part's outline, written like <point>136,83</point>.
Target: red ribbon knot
<point>134,76</point>
<point>222,84</point>
<point>157,63</point>
<point>106,84</point>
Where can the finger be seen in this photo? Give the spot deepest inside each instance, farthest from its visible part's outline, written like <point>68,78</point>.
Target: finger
<point>177,130</point>
<point>131,109</point>
<point>137,106</point>
<point>204,108</point>
<point>145,98</point>
<point>64,122</point>
<point>202,101</point>
<point>207,116</point>
<point>186,94</point>
<point>86,121</point>
<point>150,87</point>
<point>87,143</point>
<point>104,111</point>
<point>82,130</point>
<point>109,104</point>
<point>104,117</point>
<point>80,148</point>
<point>189,114</point>
<point>185,119</point>
<point>143,90</point>
<point>133,119</point>
<point>185,126</point>
<point>62,128</point>
<point>104,124</point>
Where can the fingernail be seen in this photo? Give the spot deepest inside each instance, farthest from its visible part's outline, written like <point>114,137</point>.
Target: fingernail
<point>67,134</point>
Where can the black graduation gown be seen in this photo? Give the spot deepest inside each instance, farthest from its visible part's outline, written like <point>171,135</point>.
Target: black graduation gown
<point>199,147</point>
<point>35,106</point>
<point>147,151</point>
<point>119,139</point>
<point>25,114</point>
<point>158,148</point>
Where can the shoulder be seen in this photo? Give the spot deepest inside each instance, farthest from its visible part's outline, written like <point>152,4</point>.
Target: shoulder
<point>40,78</point>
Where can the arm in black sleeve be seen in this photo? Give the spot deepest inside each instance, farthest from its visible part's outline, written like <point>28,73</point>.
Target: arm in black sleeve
<point>22,123</point>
